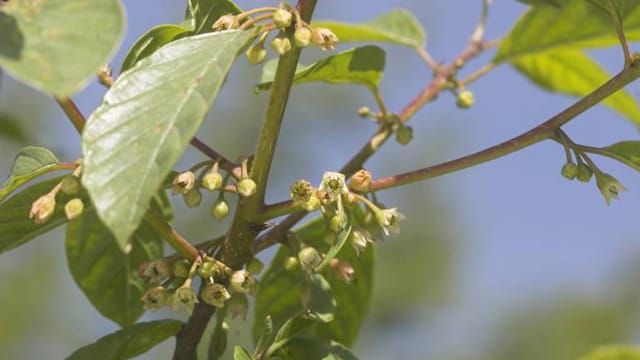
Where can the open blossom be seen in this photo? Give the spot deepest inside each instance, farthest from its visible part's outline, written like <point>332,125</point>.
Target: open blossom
<point>155,298</point>
<point>389,220</point>
<point>184,297</point>
<point>215,295</point>
<point>43,208</point>
<point>333,184</point>
<point>609,186</point>
<point>324,38</point>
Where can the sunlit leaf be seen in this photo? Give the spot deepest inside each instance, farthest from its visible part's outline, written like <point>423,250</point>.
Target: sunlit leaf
<point>398,26</point>
<point>240,353</point>
<point>151,41</point>
<point>363,65</point>
<point>570,71</point>
<point>316,348</point>
<point>556,3</point>
<point>134,138</point>
<point>628,150</point>
<point>613,352</point>
<point>58,45</point>
<point>201,14</point>
<point>129,342</point>
<point>31,162</point>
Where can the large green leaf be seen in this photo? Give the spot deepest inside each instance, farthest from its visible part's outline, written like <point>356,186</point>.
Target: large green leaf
<point>363,65</point>
<point>58,45</point>
<point>16,227</point>
<point>201,14</point>
<point>570,71</point>
<point>129,342</point>
<point>613,352</point>
<point>629,151</point>
<point>31,162</point>
<point>151,41</point>
<point>279,293</point>
<point>315,348</point>
<point>146,121</point>
<point>577,24</point>
<point>398,26</point>
<point>107,276</point>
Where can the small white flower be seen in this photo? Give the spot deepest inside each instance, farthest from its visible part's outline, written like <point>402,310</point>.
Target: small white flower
<point>389,220</point>
<point>334,185</point>
<point>609,186</point>
<point>184,297</point>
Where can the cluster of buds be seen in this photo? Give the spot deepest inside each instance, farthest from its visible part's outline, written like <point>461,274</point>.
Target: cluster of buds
<point>609,186</point>
<point>43,209</point>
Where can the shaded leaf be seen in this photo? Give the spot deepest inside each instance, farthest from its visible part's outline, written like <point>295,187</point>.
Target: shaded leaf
<point>570,71</point>
<point>613,352</point>
<point>151,41</point>
<point>201,14</point>
<point>363,65</point>
<point>577,24</point>
<point>129,342</point>
<point>556,3</point>
<point>134,138</point>
<point>58,45</point>
<point>107,276</point>
<point>316,348</point>
<point>239,353</point>
<point>16,227</point>
<point>11,129</point>
<point>320,303</point>
<point>31,162</point>
<point>398,26</point>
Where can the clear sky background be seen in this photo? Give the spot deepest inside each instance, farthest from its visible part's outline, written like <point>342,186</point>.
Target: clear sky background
<point>521,233</point>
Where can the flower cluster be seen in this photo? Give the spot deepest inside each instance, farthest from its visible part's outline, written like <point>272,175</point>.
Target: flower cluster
<point>43,209</point>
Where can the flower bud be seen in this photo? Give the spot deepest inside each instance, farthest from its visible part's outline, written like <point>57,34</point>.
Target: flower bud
<point>569,170</point>
<point>242,282</point>
<point>212,180</point>
<point>184,182</point>
<point>208,269</point>
<point>226,22</point>
<point>70,185</point>
<point>155,271</point>
<point>342,270</point>
<point>465,99</point>
<point>291,263</point>
<point>43,208</point>
<point>184,297</point>
<point>238,306</point>
<point>192,198</point>
<point>364,112</point>
<point>302,37</point>
<point>155,298</point>
<point>361,181</point>
<point>309,258</point>
<point>220,209</point>
<point>324,38</point>
<point>404,134</point>
<point>255,266</point>
<point>181,268</point>
<point>301,191</point>
<point>246,187</point>
<point>215,295</point>
<point>282,18</point>
<point>256,54</point>
<point>584,173</point>
<point>73,208</point>
<point>312,205</point>
<point>336,223</point>
<point>281,44</point>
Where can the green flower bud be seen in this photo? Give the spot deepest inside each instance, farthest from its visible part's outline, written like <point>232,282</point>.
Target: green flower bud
<point>256,54</point>
<point>212,180</point>
<point>255,266</point>
<point>465,99</point>
<point>181,268</point>
<point>291,263</point>
<point>73,208</point>
<point>281,44</point>
<point>301,191</point>
<point>220,209</point>
<point>192,198</point>
<point>584,173</point>
<point>184,182</point>
<point>336,223</point>
<point>569,170</point>
<point>226,22</point>
<point>282,18</point>
<point>242,282</point>
<point>155,271</point>
<point>215,295</point>
<point>208,269</point>
<point>302,37</point>
<point>312,205</point>
<point>246,187</point>
<point>309,258</point>
<point>70,185</point>
<point>43,208</point>
<point>364,112</point>
<point>155,298</point>
<point>360,181</point>
<point>404,134</point>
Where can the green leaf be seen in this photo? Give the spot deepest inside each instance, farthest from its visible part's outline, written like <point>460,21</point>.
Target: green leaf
<point>628,151</point>
<point>570,71</point>
<point>201,14</point>
<point>576,24</point>
<point>363,65</point>
<point>279,294</point>
<point>151,41</point>
<point>316,348</point>
<point>134,138</point>
<point>58,45</point>
<point>556,3</point>
<point>11,129</point>
<point>239,353</point>
<point>129,342</point>
<point>320,303</point>
<point>398,26</point>
<point>16,227</point>
<point>618,9</point>
<point>336,247</point>
<point>107,276</point>
<point>31,162</point>
<point>613,352</point>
